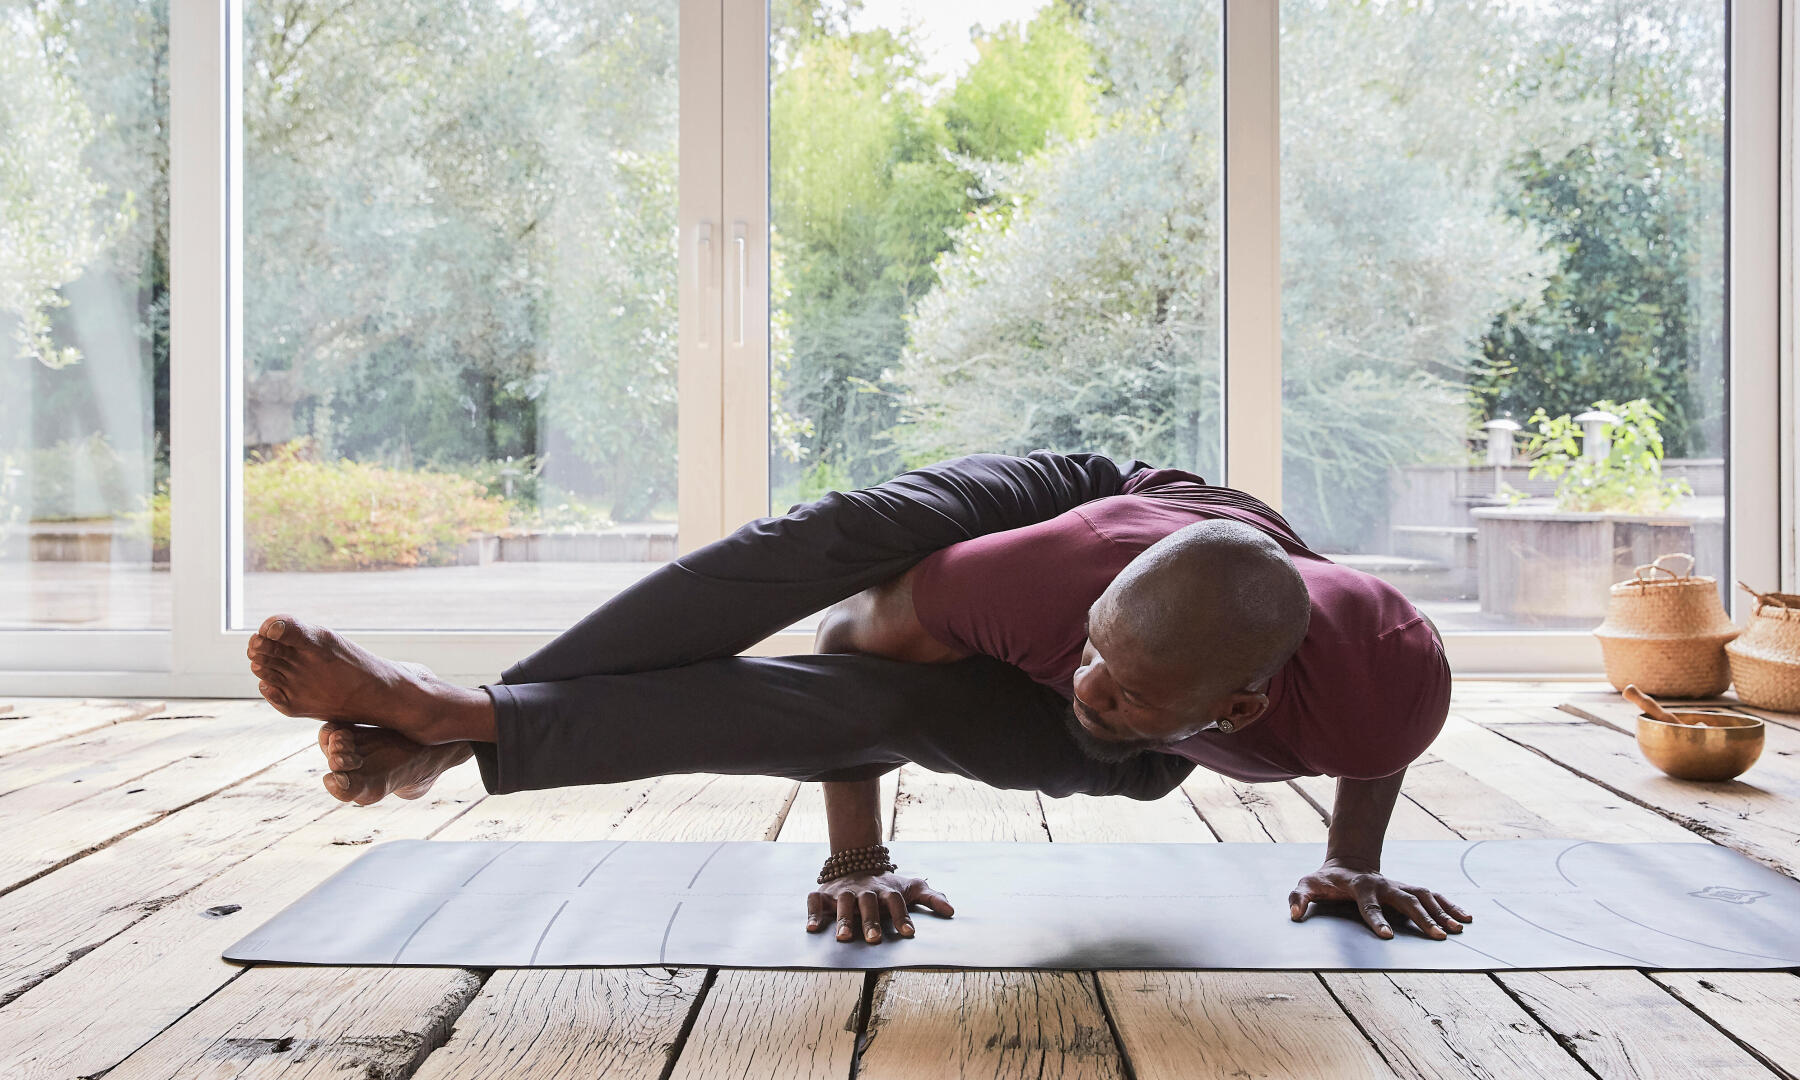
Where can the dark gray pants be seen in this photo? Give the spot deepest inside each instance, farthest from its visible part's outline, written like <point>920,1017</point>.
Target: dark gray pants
<point>650,683</point>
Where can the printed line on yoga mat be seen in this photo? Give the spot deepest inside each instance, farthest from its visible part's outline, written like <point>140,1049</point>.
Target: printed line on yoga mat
<point>1636,961</point>
<point>617,844</point>
<point>490,862</point>
<point>421,926</point>
<point>709,858</point>
<point>540,941</point>
<point>663,950</point>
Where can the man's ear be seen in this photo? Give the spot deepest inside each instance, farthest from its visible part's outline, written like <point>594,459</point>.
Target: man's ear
<point>1244,708</point>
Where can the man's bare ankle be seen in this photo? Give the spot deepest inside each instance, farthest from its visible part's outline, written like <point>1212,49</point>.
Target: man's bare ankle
<point>464,714</point>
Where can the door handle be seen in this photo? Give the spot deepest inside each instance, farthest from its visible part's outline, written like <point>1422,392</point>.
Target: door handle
<point>703,256</point>
<point>739,239</point>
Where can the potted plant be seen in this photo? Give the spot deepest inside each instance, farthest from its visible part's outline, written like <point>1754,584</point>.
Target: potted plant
<point>1550,561</point>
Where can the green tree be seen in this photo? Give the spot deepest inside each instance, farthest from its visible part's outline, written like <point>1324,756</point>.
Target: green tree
<point>1635,213</point>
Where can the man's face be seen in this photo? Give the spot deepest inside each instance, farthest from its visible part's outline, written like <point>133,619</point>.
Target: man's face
<point>1124,706</point>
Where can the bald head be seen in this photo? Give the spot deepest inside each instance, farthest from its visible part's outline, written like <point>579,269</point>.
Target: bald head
<point>1216,599</point>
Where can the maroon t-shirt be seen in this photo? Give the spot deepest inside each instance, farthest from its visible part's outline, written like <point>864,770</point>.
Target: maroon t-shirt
<point>1362,697</point>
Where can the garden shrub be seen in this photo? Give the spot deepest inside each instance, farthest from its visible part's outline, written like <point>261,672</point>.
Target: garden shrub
<point>350,515</point>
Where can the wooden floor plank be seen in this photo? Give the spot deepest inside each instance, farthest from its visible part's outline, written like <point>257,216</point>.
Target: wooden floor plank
<point>318,1023</point>
<point>213,763</point>
<point>107,1004</point>
<point>1758,1008</point>
<point>805,1025</point>
<point>27,723</point>
<point>1430,1024</point>
<point>1500,716</point>
<point>1570,805</point>
<point>70,912</point>
<point>1003,1024</point>
<point>46,778</point>
<point>113,751</point>
<point>571,1024</point>
<point>1622,1025</point>
<point>631,1039</point>
<point>1123,820</point>
<point>1246,813</point>
<point>944,806</point>
<point>980,1023</point>
<point>1190,1025</point>
<point>344,1045</point>
<point>805,821</point>
<point>1107,819</point>
<point>1410,821</point>
<point>810,1017</point>
<point>1464,800</point>
<point>1464,1033</point>
<point>1754,815</point>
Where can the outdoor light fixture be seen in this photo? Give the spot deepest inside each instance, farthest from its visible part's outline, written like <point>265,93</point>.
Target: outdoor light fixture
<point>1500,441</point>
<point>1595,442</point>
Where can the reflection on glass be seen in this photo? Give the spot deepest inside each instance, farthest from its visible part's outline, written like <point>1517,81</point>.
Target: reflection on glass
<point>1499,220</point>
<point>459,308</point>
<point>84,376</point>
<point>993,237</point>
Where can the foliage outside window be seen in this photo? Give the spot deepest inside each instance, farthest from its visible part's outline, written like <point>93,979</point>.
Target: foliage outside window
<point>1627,480</point>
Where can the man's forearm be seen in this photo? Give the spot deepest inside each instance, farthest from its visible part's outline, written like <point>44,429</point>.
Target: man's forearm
<point>853,813</point>
<point>1359,821</point>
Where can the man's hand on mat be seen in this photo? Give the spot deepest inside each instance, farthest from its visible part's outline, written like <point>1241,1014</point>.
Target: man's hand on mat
<point>860,901</point>
<point>1432,912</point>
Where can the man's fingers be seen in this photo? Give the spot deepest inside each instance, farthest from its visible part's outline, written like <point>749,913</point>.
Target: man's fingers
<point>1435,907</point>
<point>1449,906</point>
<point>896,905</point>
<point>1369,906</point>
<point>1415,910</point>
<point>847,918</point>
<point>815,911</point>
<point>920,893</point>
<point>871,916</point>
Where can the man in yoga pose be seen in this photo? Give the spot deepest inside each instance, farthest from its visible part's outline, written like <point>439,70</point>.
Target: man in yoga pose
<point>1052,622</point>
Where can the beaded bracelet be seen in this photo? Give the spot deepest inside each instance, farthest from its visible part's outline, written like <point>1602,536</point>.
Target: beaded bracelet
<point>873,859</point>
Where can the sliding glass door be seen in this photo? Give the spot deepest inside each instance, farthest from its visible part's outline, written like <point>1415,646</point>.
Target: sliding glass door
<point>444,323</point>
<point>1503,298</point>
<point>460,309</point>
<point>84,294</point>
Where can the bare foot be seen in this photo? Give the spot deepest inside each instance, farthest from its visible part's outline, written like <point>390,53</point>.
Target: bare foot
<point>309,670</point>
<point>370,763</point>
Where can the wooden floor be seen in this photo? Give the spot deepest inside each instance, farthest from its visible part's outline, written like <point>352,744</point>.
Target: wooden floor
<point>137,839</point>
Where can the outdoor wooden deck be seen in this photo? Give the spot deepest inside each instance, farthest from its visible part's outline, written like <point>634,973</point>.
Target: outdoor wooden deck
<point>137,839</point>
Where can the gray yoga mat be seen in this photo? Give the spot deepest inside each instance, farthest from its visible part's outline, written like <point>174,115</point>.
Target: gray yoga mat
<point>1537,904</point>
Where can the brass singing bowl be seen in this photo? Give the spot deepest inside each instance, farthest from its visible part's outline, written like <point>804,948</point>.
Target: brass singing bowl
<point>1721,747</point>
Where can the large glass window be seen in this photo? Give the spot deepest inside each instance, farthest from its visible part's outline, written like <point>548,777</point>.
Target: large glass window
<point>84,303</point>
<point>995,228</point>
<point>1503,266</point>
<point>460,329</point>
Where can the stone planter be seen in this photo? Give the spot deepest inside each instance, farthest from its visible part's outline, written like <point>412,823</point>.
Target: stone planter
<point>90,540</point>
<point>626,543</point>
<point>1541,566</point>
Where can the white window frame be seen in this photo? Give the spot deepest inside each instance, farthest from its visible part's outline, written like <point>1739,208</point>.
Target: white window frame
<point>723,375</point>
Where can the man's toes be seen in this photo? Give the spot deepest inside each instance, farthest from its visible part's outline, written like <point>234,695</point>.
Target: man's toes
<point>341,752</point>
<point>266,647</point>
<point>275,627</point>
<point>274,671</point>
<point>275,696</point>
<point>338,784</point>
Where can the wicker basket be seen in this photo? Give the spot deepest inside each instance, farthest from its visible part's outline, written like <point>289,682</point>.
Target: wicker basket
<point>1667,634</point>
<point>1765,661</point>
